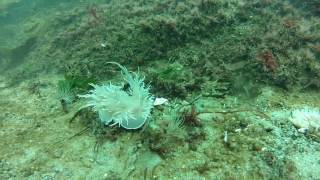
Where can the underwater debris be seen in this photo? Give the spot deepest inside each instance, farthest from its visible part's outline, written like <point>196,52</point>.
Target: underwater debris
<point>306,119</point>
<point>160,101</point>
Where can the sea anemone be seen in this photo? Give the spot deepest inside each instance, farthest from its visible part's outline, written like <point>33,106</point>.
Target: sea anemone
<point>129,109</point>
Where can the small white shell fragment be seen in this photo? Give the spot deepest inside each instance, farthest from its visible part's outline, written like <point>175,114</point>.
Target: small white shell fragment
<point>103,45</point>
<point>306,118</point>
<point>225,138</point>
<point>303,130</point>
<point>160,101</point>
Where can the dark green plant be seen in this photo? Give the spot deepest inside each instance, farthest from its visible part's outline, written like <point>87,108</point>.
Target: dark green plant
<point>79,83</point>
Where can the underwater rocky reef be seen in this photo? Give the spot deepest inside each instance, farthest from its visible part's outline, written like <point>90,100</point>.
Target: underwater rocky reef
<point>236,84</point>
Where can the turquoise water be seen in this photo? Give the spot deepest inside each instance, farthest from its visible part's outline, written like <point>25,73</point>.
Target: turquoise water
<point>159,89</point>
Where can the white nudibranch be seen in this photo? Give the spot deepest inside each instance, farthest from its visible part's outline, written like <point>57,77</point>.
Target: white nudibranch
<point>129,109</point>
